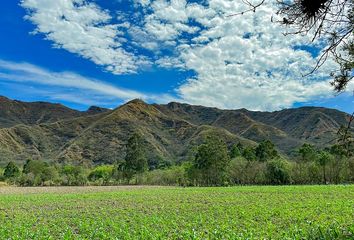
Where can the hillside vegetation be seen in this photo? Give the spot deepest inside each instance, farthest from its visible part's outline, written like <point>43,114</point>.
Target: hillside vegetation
<point>54,133</point>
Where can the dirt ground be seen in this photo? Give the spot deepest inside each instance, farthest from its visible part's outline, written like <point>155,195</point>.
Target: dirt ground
<point>6,190</point>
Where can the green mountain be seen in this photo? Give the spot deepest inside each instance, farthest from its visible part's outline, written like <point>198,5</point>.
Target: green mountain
<point>55,133</point>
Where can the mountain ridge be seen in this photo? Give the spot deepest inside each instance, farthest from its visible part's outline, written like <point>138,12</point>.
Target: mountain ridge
<point>53,132</point>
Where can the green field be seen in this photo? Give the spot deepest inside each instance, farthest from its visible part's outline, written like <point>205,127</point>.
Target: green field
<point>290,212</point>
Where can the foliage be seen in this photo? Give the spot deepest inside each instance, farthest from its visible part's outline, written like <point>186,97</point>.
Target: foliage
<point>324,158</point>
<point>236,150</point>
<point>2,178</point>
<point>174,176</point>
<point>278,172</point>
<point>249,153</point>
<point>73,175</point>
<point>38,173</point>
<point>158,162</point>
<point>11,170</point>
<point>211,162</point>
<point>135,160</point>
<point>101,173</point>
<point>242,171</point>
<point>209,165</point>
<point>265,151</point>
<point>345,138</point>
<point>307,152</point>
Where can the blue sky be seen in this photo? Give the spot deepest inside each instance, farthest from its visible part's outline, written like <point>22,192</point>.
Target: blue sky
<point>104,53</point>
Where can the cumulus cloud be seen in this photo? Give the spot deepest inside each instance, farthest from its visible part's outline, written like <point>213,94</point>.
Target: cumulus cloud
<point>240,61</point>
<point>83,28</point>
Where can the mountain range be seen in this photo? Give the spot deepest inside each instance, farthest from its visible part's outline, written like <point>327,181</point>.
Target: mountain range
<point>55,133</point>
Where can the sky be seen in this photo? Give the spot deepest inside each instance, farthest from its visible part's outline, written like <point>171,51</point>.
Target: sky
<point>97,52</point>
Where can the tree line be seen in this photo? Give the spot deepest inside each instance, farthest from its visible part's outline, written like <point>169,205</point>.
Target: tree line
<point>213,163</point>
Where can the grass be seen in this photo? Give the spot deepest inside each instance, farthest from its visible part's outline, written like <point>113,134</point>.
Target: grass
<point>291,212</point>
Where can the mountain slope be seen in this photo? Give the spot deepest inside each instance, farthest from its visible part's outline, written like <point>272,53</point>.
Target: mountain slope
<point>52,132</point>
<point>288,128</point>
<point>314,124</point>
<point>14,112</point>
<point>165,136</point>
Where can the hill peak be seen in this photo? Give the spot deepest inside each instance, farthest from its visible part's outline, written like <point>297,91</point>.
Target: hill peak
<point>96,110</point>
<point>136,101</point>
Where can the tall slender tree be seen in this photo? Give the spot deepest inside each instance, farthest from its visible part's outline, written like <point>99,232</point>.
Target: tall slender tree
<point>135,160</point>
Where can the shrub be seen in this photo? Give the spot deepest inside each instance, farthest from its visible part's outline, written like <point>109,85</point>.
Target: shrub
<point>73,175</point>
<point>101,173</point>
<point>278,172</point>
<point>173,176</point>
<point>11,171</point>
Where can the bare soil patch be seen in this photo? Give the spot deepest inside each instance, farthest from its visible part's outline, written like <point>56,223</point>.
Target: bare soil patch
<point>67,189</point>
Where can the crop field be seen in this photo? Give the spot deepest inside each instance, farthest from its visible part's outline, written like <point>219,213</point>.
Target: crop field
<point>290,212</point>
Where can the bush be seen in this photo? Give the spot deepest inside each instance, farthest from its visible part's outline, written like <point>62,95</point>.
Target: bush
<point>11,171</point>
<point>242,171</point>
<point>101,174</point>
<point>173,176</point>
<point>73,176</point>
<point>39,173</point>
<point>278,172</point>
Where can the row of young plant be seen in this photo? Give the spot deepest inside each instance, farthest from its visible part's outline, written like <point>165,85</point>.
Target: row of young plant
<point>212,164</point>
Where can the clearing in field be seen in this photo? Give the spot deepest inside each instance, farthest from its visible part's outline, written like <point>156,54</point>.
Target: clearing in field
<point>291,212</point>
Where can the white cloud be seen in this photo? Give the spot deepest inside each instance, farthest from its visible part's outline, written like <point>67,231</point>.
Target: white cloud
<point>240,61</point>
<point>144,3</point>
<point>73,84</point>
<point>85,29</point>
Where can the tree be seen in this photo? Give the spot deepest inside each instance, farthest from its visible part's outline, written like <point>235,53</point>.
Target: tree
<point>345,137</point>
<point>103,173</point>
<point>11,170</point>
<point>50,174</point>
<point>307,152</point>
<point>135,160</point>
<point>236,150</point>
<point>323,159</point>
<point>249,153</point>
<point>34,166</point>
<point>211,161</point>
<point>158,162</point>
<point>278,171</point>
<point>38,173</point>
<point>118,170</point>
<point>266,151</point>
<point>73,175</point>
<point>338,151</point>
